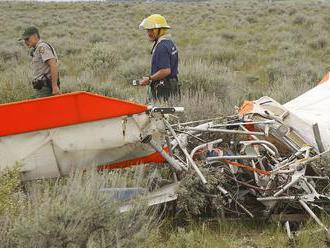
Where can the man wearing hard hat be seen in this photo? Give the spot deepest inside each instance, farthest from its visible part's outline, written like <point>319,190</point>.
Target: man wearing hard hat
<point>163,78</point>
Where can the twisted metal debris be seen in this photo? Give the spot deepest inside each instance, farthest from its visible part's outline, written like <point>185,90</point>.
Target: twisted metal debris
<point>267,166</point>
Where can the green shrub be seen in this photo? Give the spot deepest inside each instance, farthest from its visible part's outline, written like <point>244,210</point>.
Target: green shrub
<point>102,59</point>
<point>96,38</point>
<point>132,69</point>
<point>276,71</point>
<point>199,105</point>
<point>299,19</point>
<point>319,43</point>
<point>228,35</point>
<point>73,212</point>
<point>196,198</point>
<point>251,19</point>
<point>10,191</point>
<point>10,52</point>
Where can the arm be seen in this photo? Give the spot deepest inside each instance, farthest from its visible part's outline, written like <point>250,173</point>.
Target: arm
<point>54,75</point>
<point>159,75</point>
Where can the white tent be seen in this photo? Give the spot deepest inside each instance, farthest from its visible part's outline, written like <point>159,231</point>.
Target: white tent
<point>308,115</point>
<point>314,108</point>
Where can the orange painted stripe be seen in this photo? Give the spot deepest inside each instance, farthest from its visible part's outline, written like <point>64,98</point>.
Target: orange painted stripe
<point>325,78</point>
<point>236,164</point>
<point>245,108</point>
<point>155,157</point>
<point>62,110</point>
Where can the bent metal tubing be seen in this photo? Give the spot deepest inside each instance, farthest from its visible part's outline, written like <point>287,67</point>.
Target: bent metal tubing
<point>262,143</point>
<point>216,130</point>
<point>233,157</point>
<point>204,145</point>
<point>184,150</point>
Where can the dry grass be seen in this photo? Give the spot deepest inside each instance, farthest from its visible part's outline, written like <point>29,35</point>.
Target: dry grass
<point>234,234</point>
<point>229,51</point>
<point>73,212</point>
<point>232,50</point>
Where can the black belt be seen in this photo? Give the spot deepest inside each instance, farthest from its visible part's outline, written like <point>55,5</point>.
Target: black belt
<point>171,78</point>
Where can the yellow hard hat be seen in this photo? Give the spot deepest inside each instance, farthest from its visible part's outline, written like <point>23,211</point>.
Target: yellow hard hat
<point>154,21</point>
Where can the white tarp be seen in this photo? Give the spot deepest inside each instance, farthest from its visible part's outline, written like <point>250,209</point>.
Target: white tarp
<point>313,107</point>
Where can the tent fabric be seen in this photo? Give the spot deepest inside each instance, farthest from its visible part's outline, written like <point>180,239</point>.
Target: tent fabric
<point>300,113</point>
<point>313,108</point>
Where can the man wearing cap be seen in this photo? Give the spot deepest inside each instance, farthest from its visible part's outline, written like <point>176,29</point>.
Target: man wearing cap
<point>44,64</point>
<point>163,78</point>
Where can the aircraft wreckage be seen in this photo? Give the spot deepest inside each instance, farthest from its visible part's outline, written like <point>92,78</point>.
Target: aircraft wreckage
<point>268,153</point>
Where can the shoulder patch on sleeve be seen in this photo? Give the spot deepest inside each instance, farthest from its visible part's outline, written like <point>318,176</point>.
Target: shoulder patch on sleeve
<point>42,50</point>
